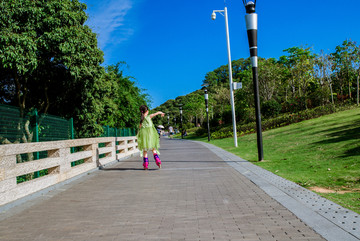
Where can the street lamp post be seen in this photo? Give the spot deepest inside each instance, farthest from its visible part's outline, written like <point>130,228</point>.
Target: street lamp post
<point>207,112</point>
<point>181,122</point>
<point>251,27</point>
<point>232,86</point>
<point>168,117</point>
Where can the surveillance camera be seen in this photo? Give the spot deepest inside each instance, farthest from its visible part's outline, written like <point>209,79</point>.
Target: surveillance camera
<point>213,16</point>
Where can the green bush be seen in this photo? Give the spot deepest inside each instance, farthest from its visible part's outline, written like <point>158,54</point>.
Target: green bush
<point>220,135</point>
<point>270,108</point>
<point>318,98</point>
<point>188,125</point>
<point>294,105</point>
<point>282,120</point>
<point>192,129</point>
<point>200,131</point>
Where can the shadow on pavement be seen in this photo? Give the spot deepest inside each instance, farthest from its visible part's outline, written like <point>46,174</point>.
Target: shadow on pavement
<point>192,161</point>
<point>125,169</point>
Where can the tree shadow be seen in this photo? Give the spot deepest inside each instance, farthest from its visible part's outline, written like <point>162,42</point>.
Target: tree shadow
<point>352,152</point>
<point>343,135</point>
<point>98,163</point>
<point>330,130</point>
<point>349,133</point>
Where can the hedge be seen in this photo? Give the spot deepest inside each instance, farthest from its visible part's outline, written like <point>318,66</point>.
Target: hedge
<point>282,120</point>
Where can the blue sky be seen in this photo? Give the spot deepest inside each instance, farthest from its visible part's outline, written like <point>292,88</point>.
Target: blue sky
<point>170,45</point>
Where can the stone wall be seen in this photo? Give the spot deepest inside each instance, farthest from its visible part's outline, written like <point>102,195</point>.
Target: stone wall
<point>58,162</point>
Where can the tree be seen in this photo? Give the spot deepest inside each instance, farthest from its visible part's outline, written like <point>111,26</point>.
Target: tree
<point>300,62</point>
<point>194,107</point>
<point>220,76</point>
<point>357,66</point>
<point>120,98</point>
<point>211,79</point>
<point>50,60</point>
<point>270,76</point>
<point>323,71</point>
<point>344,59</point>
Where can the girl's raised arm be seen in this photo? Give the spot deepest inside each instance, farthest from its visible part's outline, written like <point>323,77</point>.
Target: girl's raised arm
<point>157,113</point>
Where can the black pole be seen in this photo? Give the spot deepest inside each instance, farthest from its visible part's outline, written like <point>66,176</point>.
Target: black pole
<point>207,113</point>
<point>251,26</point>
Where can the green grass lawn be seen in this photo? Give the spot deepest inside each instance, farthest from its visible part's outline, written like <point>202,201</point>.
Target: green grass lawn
<point>322,152</point>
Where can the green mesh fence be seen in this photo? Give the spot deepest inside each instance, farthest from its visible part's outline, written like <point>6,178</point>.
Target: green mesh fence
<point>52,128</point>
<point>37,128</point>
<point>118,132</point>
<point>11,125</point>
<point>32,127</point>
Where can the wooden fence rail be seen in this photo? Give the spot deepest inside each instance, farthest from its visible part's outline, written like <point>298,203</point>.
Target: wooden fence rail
<point>58,162</point>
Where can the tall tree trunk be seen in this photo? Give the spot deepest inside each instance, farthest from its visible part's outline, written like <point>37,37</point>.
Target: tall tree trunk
<point>23,129</point>
<point>332,96</point>
<point>20,103</point>
<point>349,89</point>
<point>342,93</point>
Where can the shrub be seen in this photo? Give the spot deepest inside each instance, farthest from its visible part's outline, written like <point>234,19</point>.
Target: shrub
<point>282,120</point>
<point>188,125</point>
<point>200,131</point>
<point>270,108</point>
<point>318,97</point>
<point>220,135</point>
<point>227,116</point>
<point>294,105</point>
<point>192,129</point>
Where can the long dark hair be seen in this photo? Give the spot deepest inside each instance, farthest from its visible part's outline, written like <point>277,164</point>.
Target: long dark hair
<point>143,110</point>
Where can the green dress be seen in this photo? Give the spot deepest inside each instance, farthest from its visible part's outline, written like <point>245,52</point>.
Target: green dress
<point>148,138</point>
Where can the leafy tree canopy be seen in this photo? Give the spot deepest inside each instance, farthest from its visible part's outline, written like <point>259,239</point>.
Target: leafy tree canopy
<point>49,60</point>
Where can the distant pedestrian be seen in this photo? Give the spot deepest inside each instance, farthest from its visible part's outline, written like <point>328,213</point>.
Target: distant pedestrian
<point>171,131</point>
<point>158,131</point>
<point>148,138</point>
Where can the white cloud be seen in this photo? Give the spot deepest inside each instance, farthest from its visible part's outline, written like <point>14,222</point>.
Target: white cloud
<point>107,19</point>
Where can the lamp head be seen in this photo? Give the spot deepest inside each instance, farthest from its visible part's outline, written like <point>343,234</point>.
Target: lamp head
<point>249,6</point>
<point>213,16</point>
<point>206,96</point>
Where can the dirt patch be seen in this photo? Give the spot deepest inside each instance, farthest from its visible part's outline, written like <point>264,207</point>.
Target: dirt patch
<point>321,190</point>
<point>325,190</point>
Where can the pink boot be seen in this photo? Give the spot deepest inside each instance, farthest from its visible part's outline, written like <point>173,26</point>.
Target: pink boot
<point>146,163</point>
<point>157,160</point>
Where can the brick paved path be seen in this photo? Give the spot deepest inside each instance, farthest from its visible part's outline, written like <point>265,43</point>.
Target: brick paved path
<point>195,196</point>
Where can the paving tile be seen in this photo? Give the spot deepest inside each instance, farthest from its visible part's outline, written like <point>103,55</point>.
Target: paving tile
<point>195,196</point>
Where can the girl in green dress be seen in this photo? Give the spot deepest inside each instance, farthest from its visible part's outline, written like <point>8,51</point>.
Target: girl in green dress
<point>148,138</point>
